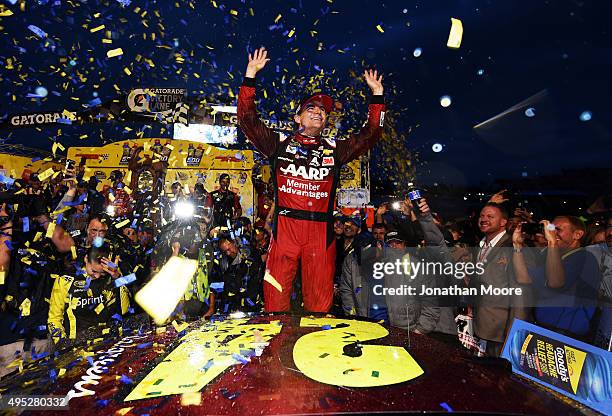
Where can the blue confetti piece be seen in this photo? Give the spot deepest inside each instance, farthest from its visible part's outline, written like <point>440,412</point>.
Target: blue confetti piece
<point>144,345</point>
<point>446,407</point>
<point>358,290</point>
<point>8,244</point>
<point>326,327</point>
<point>209,364</point>
<point>217,285</point>
<point>38,31</point>
<point>126,380</point>
<point>7,180</point>
<point>125,280</point>
<point>87,283</point>
<point>64,120</point>
<point>94,102</point>
<point>90,360</point>
<point>226,308</point>
<point>102,403</point>
<point>35,159</point>
<point>59,219</point>
<point>117,317</point>
<point>250,302</point>
<point>26,224</point>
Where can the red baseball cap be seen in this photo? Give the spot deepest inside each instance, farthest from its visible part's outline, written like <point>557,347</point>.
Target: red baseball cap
<point>326,100</point>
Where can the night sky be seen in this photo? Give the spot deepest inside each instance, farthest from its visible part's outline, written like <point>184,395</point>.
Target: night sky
<point>556,52</point>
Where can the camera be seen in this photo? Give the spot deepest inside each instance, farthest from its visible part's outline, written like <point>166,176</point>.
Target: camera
<point>532,228</point>
<point>70,164</point>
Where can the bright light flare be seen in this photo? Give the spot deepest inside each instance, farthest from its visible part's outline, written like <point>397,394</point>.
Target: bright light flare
<point>184,209</point>
<point>160,296</point>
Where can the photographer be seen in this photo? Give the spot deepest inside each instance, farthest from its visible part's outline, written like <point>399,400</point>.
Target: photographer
<point>567,284</point>
<point>400,216</point>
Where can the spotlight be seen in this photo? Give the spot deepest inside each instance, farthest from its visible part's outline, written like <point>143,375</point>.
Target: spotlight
<point>396,205</point>
<point>445,101</point>
<point>110,210</point>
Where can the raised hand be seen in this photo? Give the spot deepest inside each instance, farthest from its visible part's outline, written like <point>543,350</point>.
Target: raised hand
<point>498,198</point>
<point>257,60</point>
<point>423,207</point>
<point>517,236</point>
<point>374,81</point>
<point>110,267</point>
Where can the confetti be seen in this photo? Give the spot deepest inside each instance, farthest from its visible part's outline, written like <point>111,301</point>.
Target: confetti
<point>270,279</point>
<point>114,52</point>
<point>456,34</point>
<point>191,399</point>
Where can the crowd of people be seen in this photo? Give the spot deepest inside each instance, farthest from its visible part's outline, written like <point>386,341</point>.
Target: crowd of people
<point>73,253</point>
<point>69,268</point>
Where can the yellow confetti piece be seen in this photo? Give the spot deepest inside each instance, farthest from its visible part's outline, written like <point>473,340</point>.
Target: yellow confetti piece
<point>61,372</point>
<point>191,399</point>
<point>127,71</point>
<point>124,411</point>
<point>2,277</point>
<point>25,307</point>
<point>114,52</point>
<point>234,12</point>
<point>45,175</point>
<point>270,279</point>
<point>73,252</point>
<point>99,308</point>
<point>179,327</point>
<point>456,34</point>
<point>128,177</point>
<point>160,329</point>
<point>38,236</point>
<point>128,190</point>
<point>291,32</point>
<point>50,230</point>
<point>278,18</point>
<point>122,223</point>
<point>169,146</point>
<point>95,29</point>
<point>6,13</point>
<point>380,29</point>
<point>105,331</point>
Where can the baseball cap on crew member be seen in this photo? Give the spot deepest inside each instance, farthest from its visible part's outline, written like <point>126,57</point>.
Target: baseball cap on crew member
<point>394,236</point>
<point>224,176</point>
<point>353,219</point>
<point>326,100</point>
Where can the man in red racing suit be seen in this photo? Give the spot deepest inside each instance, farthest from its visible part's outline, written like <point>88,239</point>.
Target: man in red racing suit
<point>305,169</point>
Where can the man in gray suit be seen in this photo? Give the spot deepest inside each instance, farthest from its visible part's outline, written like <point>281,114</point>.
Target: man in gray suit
<point>493,314</point>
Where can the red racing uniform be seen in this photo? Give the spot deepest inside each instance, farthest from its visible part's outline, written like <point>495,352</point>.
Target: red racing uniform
<point>305,176</point>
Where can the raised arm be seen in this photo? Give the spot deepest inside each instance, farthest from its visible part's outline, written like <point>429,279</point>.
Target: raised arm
<point>261,136</point>
<point>358,144</point>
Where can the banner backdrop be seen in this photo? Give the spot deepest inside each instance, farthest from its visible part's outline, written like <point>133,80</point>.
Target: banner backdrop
<point>187,162</point>
<point>14,166</point>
